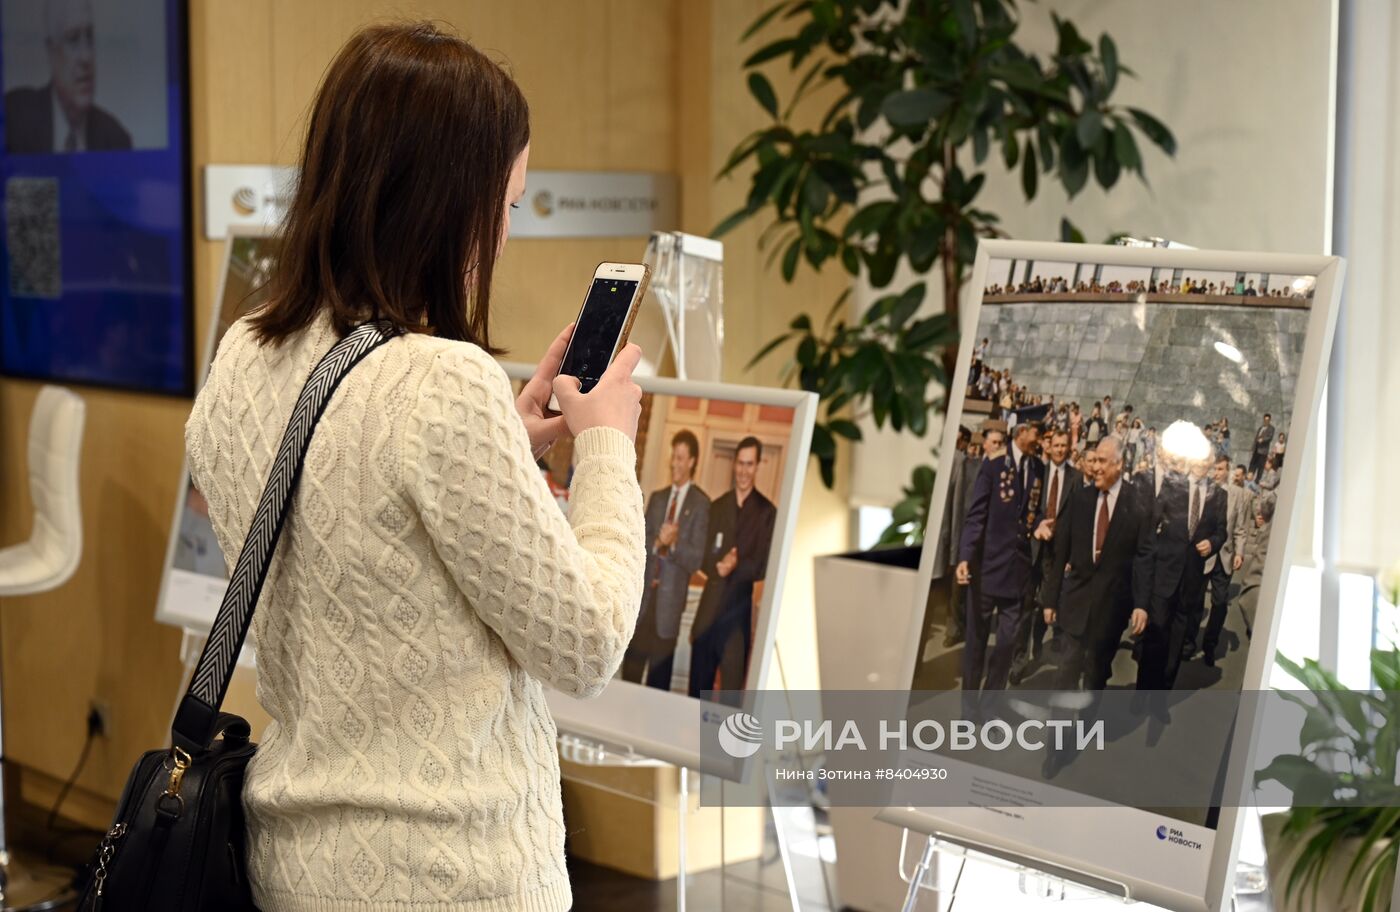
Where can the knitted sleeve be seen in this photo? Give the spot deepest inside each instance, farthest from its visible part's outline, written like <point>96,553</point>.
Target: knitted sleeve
<point>563,595</point>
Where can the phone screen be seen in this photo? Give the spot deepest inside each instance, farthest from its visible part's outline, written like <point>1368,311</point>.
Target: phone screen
<point>602,319</point>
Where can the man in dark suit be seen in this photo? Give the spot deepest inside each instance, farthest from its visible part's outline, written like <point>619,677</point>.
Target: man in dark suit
<point>966,595</point>
<point>1061,480</point>
<point>1005,509</point>
<point>62,116</point>
<point>949,531</point>
<point>1099,579</point>
<point>677,517</point>
<point>1190,525</point>
<point>737,543</point>
<point>1263,441</point>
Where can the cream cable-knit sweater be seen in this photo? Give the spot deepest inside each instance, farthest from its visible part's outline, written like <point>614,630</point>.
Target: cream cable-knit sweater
<point>425,589</point>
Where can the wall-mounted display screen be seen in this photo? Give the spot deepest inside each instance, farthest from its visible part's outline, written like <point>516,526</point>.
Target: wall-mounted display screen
<point>94,171</point>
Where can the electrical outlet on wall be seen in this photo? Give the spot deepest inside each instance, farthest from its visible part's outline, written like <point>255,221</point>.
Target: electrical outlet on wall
<point>100,717</point>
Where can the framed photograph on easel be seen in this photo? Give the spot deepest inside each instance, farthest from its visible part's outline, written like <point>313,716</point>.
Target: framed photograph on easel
<point>194,580</point>
<point>1114,509</point>
<point>721,469</point>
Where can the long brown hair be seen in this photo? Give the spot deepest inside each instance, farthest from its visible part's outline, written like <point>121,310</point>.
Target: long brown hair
<point>408,153</point>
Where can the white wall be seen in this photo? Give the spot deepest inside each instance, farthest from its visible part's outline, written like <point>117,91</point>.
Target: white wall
<point>1370,532</point>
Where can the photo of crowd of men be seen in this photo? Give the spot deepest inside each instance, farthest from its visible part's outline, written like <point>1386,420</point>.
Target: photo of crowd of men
<point>1102,526</point>
<point>711,471</point>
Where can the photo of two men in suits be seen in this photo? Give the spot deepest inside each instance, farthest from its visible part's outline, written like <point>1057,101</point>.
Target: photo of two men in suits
<point>725,543</point>
<point>712,471</point>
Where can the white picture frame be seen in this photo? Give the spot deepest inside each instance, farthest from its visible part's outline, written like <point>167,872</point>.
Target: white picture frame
<point>1115,848</point>
<point>670,726</point>
<point>190,599</point>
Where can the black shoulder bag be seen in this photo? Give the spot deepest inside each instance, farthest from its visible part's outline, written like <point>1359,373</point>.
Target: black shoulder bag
<point>178,841</point>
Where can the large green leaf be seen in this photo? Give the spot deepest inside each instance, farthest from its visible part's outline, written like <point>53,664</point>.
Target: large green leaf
<point>1108,54</point>
<point>1088,128</point>
<point>767,350</point>
<point>868,218</point>
<point>816,193</point>
<point>845,428</point>
<point>935,330</point>
<point>1154,130</point>
<point>770,51</point>
<point>907,305</point>
<point>762,91</point>
<point>802,87</point>
<point>731,221</point>
<point>1011,151</point>
<point>790,259</point>
<point>1125,148</point>
<point>1030,175</point>
<point>923,245</point>
<point>913,107</point>
<point>764,18</point>
<point>1074,166</point>
<point>1106,167</point>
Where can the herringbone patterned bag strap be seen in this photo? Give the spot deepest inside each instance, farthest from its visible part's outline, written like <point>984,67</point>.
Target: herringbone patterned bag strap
<point>194,726</point>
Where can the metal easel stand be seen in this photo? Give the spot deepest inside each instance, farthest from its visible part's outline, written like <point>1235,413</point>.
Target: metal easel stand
<point>590,751</point>
<point>1250,879</point>
<point>586,751</point>
<point>785,814</point>
<point>1032,881</point>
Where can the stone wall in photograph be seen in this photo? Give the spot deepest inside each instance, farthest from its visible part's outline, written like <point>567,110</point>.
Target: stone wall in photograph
<point>1160,358</point>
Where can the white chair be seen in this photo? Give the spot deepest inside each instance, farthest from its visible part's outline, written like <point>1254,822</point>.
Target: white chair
<point>48,559</point>
<point>51,555</point>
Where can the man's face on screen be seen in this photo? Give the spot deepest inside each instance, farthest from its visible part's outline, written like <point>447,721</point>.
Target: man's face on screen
<point>69,39</point>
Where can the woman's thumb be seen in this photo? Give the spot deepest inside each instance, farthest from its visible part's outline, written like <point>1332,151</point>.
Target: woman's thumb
<point>566,389</point>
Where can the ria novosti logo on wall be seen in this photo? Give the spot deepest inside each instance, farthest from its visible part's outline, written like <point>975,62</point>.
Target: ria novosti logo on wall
<point>562,204</point>
<point>245,195</point>
<point>558,204</point>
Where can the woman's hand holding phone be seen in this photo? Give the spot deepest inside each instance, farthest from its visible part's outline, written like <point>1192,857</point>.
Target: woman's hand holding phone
<point>615,401</point>
<point>544,428</point>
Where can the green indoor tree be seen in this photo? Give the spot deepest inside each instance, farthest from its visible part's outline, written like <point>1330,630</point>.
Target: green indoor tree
<point>929,95</point>
<point>1345,813</point>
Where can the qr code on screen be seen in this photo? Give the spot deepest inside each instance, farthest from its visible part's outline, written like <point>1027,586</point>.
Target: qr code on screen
<point>32,239</point>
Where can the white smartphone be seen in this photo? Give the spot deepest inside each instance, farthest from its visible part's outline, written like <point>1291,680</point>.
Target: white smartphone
<point>604,322</point>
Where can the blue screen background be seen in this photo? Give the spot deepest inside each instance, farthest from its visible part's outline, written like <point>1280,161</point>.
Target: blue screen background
<point>124,317</point>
